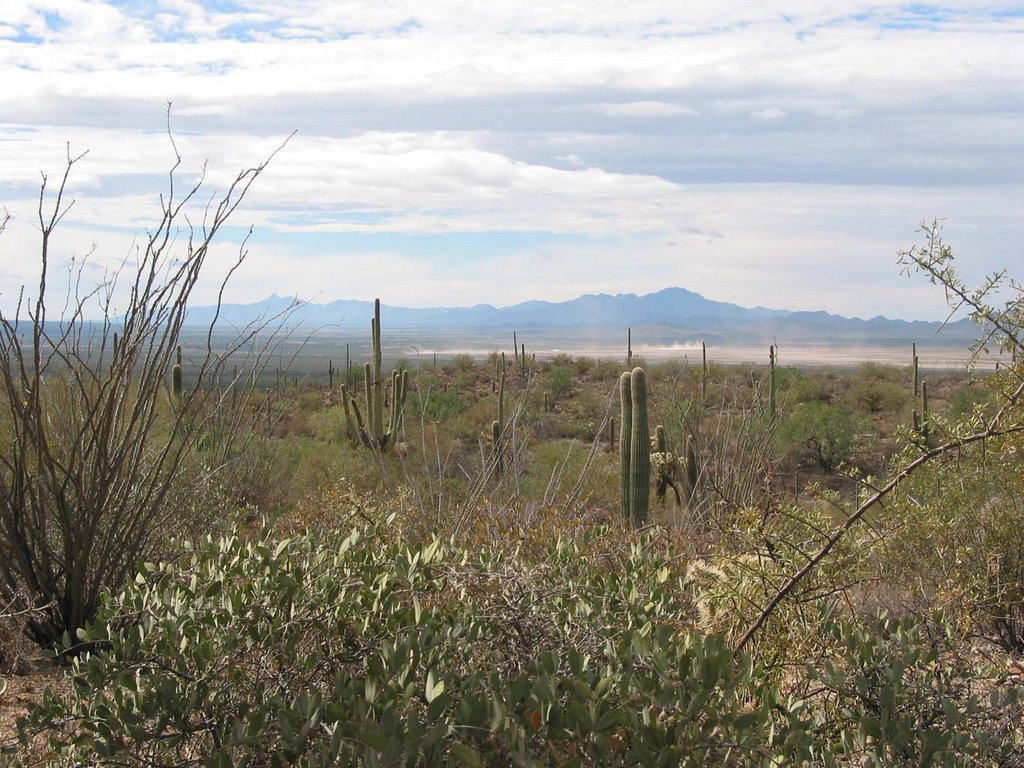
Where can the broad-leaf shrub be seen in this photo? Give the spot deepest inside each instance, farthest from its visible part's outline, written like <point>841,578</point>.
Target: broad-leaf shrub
<point>905,693</point>
<point>355,650</point>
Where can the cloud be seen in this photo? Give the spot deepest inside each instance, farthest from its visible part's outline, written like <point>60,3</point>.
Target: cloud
<point>816,136</point>
<point>644,109</point>
<point>773,113</point>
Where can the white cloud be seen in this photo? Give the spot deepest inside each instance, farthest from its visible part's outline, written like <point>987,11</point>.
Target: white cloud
<point>427,118</point>
<point>773,113</point>
<point>644,109</point>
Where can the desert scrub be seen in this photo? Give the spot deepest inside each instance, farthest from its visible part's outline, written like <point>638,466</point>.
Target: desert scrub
<point>956,540</point>
<point>911,693</point>
<point>358,650</point>
<point>755,556</point>
<point>817,434</point>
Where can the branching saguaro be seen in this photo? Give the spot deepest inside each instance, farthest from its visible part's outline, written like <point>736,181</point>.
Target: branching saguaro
<point>92,442</point>
<point>373,433</point>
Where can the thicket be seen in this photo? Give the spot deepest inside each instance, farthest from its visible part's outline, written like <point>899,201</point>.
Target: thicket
<point>834,579</point>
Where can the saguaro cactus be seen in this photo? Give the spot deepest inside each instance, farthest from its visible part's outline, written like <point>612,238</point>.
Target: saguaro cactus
<point>373,433</point>
<point>913,362</point>
<point>635,447</point>
<point>498,425</point>
<point>704,370</point>
<point>626,422</point>
<point>691,470</point>
<point>176,376</point>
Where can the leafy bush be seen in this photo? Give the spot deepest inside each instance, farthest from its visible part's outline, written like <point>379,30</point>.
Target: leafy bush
<point>356,650</point>
<point>436,405</point>
<point>903,693</point>
<point>820,434</point>
<point>957,538</point>
<point>879,396</point>
<point>558,382</point>
<point>967,401</point>
<point>359,650</point>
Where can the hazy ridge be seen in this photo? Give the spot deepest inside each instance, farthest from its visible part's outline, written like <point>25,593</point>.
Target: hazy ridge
<point>670,312</point>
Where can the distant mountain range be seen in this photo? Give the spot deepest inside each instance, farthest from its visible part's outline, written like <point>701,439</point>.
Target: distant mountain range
<point>672,311</point>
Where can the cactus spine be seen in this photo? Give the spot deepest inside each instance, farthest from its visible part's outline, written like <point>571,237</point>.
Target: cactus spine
<point>373,433</point>
<point>635,447</point>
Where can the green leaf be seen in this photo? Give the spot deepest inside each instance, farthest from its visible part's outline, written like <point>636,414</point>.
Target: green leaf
<point>434,687</point>
<point>466,754</point>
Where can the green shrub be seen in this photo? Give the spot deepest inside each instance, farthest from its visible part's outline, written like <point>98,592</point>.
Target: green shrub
<point>879,397</point>
<point>357,650</point>
<point>558,382</point>
<point>956,539</point>
<point>819,434</point>
<point>970,399</point>
<point>436,406</point>
<point>802,387</point>
<point>903,693</point>
<point>338,649</point>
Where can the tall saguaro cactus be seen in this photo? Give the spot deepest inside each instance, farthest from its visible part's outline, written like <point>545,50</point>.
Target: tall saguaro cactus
<point>498,425</point>
<point>373,433</point>
<point>635,447</point>
<point>176,376</point>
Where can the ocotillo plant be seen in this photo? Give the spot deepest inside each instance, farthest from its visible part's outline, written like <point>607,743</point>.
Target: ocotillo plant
<point>373,433</point>
<point>635,465</point>
<point>772,386</point>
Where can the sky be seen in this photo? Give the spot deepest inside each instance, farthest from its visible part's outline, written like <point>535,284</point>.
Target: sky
<point>447,153</point>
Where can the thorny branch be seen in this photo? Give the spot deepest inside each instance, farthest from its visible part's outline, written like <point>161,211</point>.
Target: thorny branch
<point>936,260</point>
